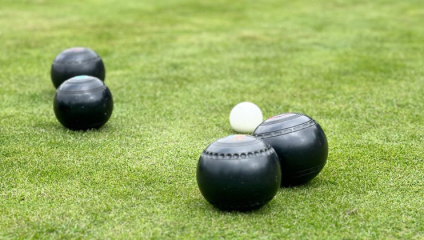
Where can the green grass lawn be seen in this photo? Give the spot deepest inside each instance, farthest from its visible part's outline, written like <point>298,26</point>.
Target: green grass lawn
<point>176,69</point>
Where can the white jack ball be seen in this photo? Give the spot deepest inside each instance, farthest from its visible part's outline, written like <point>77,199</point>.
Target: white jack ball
<point>245,117</point>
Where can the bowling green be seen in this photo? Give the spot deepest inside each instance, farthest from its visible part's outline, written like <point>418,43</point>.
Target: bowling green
<point>176,69</point>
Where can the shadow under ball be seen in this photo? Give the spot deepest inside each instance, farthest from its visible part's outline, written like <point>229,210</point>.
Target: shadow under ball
<point>83,102</point>
<point>300,143</point>
<point>76,62</point>
<point>238,172</point>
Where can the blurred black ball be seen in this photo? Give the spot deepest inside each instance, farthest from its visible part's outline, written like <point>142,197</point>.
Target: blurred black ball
<point>76,62</point>
<point>83,102</point>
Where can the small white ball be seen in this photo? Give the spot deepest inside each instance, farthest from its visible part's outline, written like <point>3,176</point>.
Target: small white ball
<point>245,117</point>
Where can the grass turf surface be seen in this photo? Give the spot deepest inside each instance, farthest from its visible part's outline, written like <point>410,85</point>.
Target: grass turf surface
<point>175,69</point>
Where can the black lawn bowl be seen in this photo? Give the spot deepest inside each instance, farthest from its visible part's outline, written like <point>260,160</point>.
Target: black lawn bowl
<point>238,172</point>
<point>76,62</point>
<point>82,103</point>
<point>300,143</point>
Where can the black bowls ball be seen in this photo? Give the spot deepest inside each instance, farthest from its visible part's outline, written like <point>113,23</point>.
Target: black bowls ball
<point>300,143</point>
<point>83,102</point>
<point>76,62</point>
<point>238,172</point>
